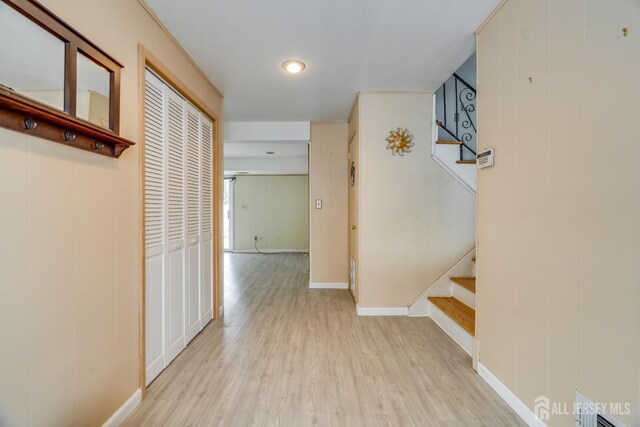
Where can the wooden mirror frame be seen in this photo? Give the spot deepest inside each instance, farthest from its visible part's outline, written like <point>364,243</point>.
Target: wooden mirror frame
<point>23,114</point>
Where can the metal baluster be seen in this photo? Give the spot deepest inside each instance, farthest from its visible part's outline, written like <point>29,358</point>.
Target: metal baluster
<point>444,98</point>
<point>455,117</point>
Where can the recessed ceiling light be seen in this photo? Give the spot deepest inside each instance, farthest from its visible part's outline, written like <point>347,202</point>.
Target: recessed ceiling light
<point>271,152</point>
<point>293,66</point>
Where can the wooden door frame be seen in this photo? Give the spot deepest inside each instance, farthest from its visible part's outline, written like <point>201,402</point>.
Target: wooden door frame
<point>147,59</point>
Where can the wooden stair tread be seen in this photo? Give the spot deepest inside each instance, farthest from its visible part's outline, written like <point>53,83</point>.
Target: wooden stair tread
<point>449,142</point>
<point>466,162</point>
<point>469,283</point>
<point>460,313</point>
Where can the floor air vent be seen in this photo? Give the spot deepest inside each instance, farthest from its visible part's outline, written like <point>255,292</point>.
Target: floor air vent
<point>589,414</point>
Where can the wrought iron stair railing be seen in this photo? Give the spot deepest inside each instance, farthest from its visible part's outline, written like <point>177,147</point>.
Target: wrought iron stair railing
<point>463,128</point>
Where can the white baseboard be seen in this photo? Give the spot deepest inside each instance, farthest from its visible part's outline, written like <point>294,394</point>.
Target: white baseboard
<point>123,412</point>
<point>268,251</point>
<point>382,311</point>
<point>511,399</point>
<point>328,285</point>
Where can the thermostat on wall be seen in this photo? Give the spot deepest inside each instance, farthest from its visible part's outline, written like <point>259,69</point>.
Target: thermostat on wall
<point>485,158</point>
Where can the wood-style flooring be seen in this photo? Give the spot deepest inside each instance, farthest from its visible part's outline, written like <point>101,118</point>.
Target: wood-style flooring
<point>286,355</point>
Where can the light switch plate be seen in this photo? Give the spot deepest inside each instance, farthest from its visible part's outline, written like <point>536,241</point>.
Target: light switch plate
<point>318,203</point>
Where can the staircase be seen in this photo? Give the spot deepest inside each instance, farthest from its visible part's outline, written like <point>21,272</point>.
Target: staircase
<point>454,147</point>
<point>451,302</point>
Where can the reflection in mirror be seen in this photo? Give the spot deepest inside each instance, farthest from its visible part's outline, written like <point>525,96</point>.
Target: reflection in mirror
<point>92,92</point>
<point>32,60</point>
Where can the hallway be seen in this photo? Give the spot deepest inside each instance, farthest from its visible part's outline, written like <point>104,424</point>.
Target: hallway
<point>289,356</point>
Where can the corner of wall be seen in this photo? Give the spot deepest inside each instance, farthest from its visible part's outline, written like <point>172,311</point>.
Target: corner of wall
<point>328,181</point>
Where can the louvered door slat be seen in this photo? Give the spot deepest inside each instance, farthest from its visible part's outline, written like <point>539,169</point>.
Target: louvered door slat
<point>194,281</point>
<point>207,175</point>
<point>175,167</point>
<point>193,173</point>
<point>154,163</point>
<point>154,209</point>
<point>206,238</point>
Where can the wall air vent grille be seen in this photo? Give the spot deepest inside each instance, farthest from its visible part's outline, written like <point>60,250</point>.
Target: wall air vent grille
<point>590,414</point>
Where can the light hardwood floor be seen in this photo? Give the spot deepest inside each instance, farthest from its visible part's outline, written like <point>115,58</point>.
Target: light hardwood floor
<point>286,355</point>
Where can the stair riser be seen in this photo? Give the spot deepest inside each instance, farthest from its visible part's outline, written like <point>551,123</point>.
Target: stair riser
<point>455,331</point>
<point>462,294</point>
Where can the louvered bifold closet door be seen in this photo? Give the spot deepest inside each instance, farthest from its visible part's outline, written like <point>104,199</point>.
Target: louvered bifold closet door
<point>206,238</point>
<point>175,327</point>
<point>154,212</point>
<point>194,324</point>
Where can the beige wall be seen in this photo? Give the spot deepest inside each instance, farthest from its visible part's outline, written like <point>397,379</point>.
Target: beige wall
<point>558,234</point>
<point>328,181</point>
<point>69,246</point>
<point>276,211</point>
<point>415,221</point>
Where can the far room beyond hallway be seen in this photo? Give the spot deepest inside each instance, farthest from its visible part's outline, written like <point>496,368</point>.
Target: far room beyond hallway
<point>266,199</point>
<point>270,213</point>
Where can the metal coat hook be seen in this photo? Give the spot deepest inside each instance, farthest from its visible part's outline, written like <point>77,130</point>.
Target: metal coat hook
<point>30,124</point>
<point>68,136</point>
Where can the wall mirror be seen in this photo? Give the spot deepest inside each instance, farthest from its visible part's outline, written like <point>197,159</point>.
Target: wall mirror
<point>92,91</point>
<point>55,83</point>
<point>32,59</point>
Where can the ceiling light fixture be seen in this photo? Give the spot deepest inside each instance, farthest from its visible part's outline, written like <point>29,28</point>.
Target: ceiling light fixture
<point>271,152</point>
<point>293,66</point>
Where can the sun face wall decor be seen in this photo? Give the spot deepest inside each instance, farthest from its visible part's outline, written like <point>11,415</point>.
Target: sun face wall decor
<point>399,141</point>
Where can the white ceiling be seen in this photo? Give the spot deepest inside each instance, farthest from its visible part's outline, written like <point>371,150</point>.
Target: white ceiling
<point>289,157</point>
<point>348,46</point>
<point>281,149</point>
<point>266,166</point>
<point>246,145</point>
